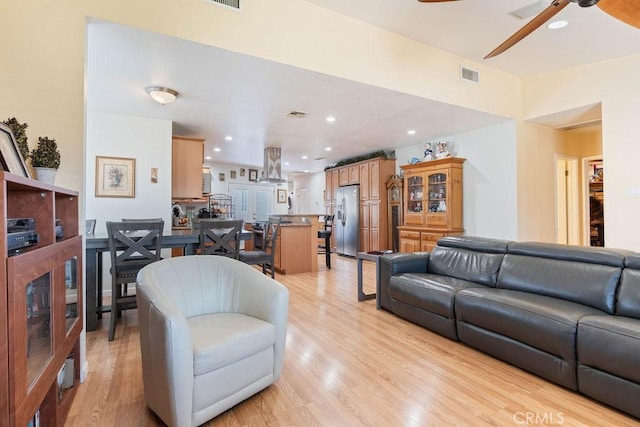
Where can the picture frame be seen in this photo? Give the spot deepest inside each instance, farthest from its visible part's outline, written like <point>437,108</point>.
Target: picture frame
<point>115,177</point>
<point>282,196</point>
<point>10,157</point>
<point>242,171</point>
<point>233,174</point>
<point>253,175</point>
<point>90,226</point>
<point>221,177</point>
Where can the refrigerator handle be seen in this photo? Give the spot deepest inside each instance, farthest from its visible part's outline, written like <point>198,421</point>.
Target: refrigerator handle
<point>344,211</point>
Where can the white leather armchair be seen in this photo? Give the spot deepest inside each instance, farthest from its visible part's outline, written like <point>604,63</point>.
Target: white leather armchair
<point>212,333</point>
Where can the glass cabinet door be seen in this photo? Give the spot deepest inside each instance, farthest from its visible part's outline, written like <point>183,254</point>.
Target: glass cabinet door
<point>71,291</point>
<point>437,192</point>
<point>415,194</point>
<point>38,313</point>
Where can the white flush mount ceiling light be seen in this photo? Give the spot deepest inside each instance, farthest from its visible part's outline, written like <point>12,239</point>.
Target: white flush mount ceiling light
<point>330,119</point>
<point>556,25</point>
<point>411,132</point>
<point>162,95</point>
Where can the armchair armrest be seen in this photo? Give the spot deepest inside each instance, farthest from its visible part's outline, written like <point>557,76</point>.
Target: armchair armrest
<point>167,356</point>
<point>264,298</point>
<point>397,263</point>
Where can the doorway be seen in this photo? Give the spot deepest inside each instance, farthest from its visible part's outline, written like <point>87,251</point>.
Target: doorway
<point>593,178</point>
<point>567,204</point>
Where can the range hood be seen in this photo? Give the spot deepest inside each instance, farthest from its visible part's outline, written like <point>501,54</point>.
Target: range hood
<point>273,165</point>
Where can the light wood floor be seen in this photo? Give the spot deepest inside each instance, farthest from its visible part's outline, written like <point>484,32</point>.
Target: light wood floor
<point>348,364</point>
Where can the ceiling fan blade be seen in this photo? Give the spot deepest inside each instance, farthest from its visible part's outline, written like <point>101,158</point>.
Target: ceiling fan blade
<point>555,7</point>
<point>625,11</point>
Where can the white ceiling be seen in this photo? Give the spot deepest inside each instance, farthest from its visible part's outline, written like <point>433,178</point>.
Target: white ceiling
<point>224,93</point>
<point>473,28</point>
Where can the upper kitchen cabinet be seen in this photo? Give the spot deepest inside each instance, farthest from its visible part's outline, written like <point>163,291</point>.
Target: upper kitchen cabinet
<point>186,170</point>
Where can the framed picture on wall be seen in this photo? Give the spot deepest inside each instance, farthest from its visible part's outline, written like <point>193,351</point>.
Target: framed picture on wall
<point>233,174</point>
<point>253,175</point>
<point>282,196</point>
<point>115,177</point>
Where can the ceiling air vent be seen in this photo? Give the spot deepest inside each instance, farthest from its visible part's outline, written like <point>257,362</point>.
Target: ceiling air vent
<point>469,75</point>
<point>234,4</point>
<point>299,114</point>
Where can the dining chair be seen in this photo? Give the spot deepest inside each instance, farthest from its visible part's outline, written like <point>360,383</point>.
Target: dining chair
<point>325,234</point>
<point>220,237</point>
<point>266,256</point>
<point>132,245</point>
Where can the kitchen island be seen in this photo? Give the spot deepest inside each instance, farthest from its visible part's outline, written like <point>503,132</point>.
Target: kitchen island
<point>297,243</point>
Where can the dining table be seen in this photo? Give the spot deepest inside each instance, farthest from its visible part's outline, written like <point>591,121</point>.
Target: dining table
<point>98,243</point>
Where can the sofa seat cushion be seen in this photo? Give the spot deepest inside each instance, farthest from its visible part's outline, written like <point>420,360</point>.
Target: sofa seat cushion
<point>429,292</point>
<point>223,338</point>
<point>546,323</point>
<point>610,344</point>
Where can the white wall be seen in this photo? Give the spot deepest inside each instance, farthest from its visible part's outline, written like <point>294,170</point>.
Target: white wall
<point>314,185</point>
<point>222,187</point>
<point>149,143</point>
<point>489,178</point>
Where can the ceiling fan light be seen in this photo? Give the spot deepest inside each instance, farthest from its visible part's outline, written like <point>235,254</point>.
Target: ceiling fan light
<point>556,25</point>
<point>162,95</point>
<point>587,3</point>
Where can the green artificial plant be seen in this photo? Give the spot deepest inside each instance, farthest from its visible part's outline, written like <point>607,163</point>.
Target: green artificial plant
<point>46,154</point>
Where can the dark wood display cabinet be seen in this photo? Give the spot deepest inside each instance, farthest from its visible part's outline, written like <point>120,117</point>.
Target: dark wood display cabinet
<point>40,305</point>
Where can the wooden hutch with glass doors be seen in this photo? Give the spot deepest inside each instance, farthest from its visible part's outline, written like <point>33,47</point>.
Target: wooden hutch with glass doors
<point>40,305</point>
<point>432,203</point>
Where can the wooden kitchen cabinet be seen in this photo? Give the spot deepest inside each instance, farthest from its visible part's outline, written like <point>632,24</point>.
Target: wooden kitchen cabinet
<point>354,174</point>
<point>433,208</point>
<point>187,156</point>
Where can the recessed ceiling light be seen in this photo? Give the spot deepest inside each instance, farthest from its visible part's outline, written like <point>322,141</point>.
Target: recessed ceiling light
<point>556,25</point>
<point>305,157</point>
<point>306,171</point>
<point>327,149</point>
<point>286,163</point>
<point>207,158</point>
<point>228,138</point>
<point>411,132</point>
<point>217,149</point>
<point>330,119</point>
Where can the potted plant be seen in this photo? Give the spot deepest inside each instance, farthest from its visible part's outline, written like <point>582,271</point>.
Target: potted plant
<point>45,159</point>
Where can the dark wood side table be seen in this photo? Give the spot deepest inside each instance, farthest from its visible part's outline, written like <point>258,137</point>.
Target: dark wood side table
<point>365,256</point>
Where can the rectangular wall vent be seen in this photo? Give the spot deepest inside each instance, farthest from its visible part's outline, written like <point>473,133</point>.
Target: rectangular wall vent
<point>469,75</point>
<point>234,4</point>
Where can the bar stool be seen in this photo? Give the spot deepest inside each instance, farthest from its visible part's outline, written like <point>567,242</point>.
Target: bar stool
<point>326,235</point>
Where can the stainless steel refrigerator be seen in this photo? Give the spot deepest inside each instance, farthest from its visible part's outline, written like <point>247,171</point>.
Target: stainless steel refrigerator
<point>347,220</point>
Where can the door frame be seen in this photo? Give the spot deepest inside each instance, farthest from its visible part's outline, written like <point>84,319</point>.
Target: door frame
<point>571,183</point>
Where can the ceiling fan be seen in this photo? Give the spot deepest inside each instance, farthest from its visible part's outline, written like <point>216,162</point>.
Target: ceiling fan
<point>624,10</point>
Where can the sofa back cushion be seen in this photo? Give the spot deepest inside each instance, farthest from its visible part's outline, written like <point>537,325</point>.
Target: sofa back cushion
<point>583,275</point>
<point>475,259</point>
<point>628,303</point>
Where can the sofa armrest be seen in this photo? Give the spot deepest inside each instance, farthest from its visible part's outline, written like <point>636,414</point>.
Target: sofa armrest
<point>398,263</point>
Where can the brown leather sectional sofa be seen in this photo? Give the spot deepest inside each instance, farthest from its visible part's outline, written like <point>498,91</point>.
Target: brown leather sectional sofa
<point>569,314</point>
